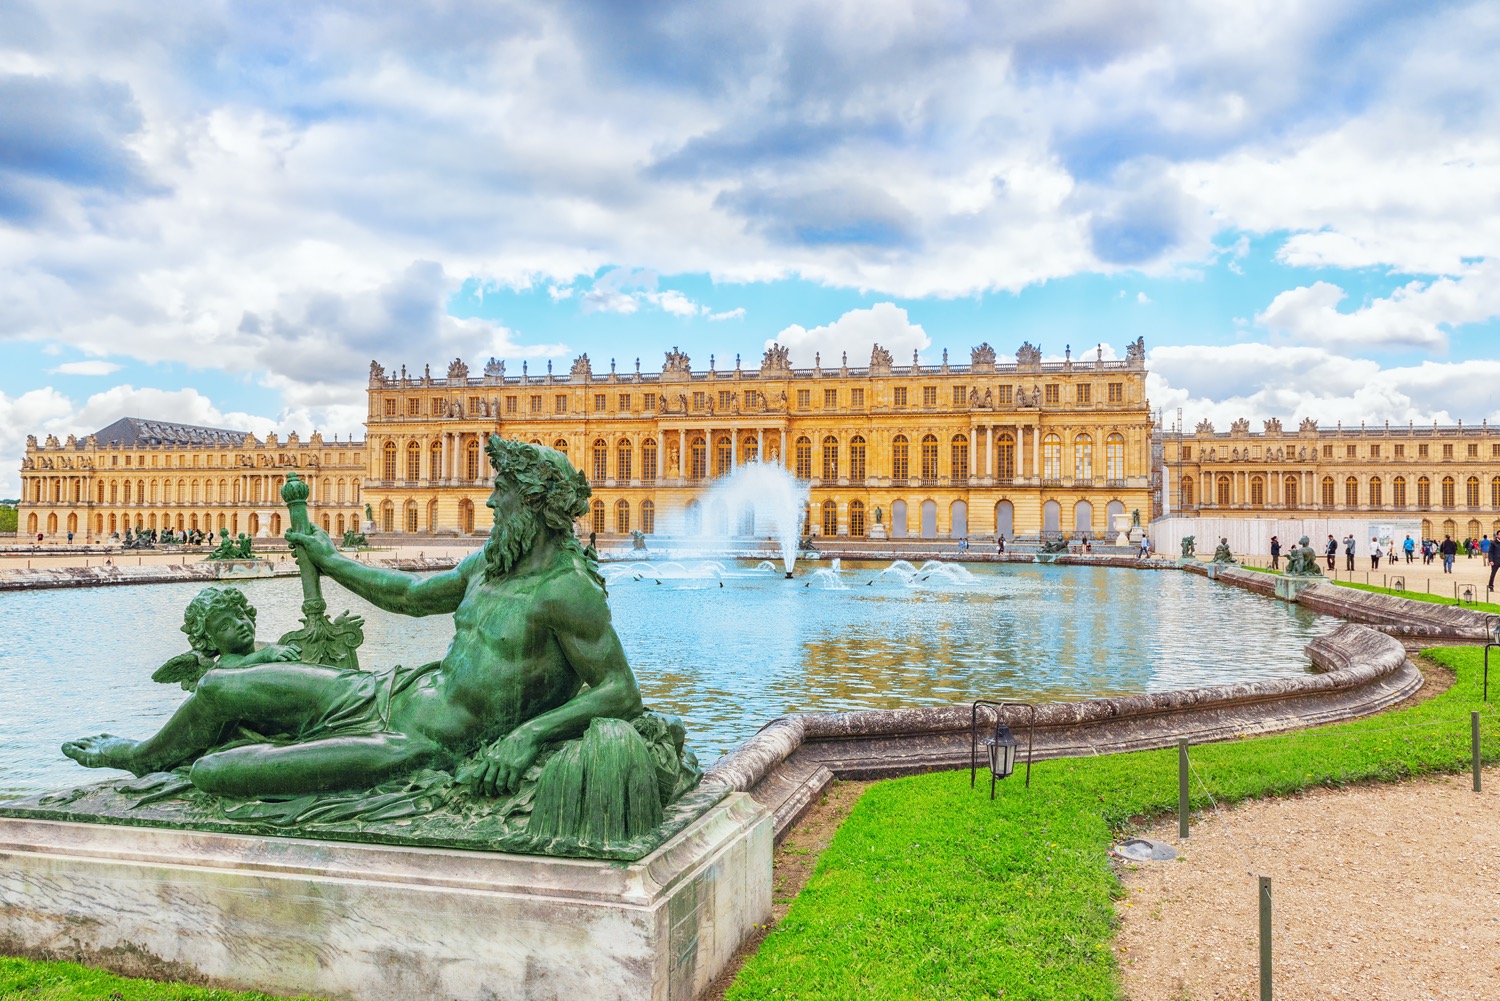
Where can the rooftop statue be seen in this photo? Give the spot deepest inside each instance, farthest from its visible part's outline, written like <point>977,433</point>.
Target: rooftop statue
<point>1028,354</point>
<point>880,361</point>
<point>982,358</point>
<point>1222,553</point>
<point>1189,546</point>
<point>528,735</point>
<point>457,370</point>
<point>1135,351</point>
<point>776,359</point>
<point>1302,560</point>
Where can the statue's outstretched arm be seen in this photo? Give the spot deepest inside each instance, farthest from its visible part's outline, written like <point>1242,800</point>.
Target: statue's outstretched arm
<point>392,590</point>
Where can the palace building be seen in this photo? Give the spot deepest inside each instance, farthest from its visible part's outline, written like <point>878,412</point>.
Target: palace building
<point>148,474</point>
<point>1448,477</point>
<point>892,450</point>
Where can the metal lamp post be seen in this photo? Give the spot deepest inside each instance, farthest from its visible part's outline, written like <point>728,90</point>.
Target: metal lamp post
<point>1000,745</point>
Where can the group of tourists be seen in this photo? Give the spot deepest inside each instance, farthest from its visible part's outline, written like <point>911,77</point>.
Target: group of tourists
<point>1485,547</point>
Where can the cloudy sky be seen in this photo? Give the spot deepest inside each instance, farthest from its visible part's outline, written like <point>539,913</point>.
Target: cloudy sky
<point>221,212</point>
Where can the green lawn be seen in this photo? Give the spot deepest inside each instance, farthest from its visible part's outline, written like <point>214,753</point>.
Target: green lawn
<point>20,979</point>
<point>930,890</point>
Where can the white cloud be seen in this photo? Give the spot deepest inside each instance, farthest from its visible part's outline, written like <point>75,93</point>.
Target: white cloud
<point>86,368</point>
<point>1143,298</point>
<point>674,302</point>
<point>737,313</point>
<point>856,332</point>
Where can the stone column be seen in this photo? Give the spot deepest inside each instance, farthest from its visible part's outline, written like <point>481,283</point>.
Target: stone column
<point>785,462</point>
<point>973,438</point>
<point>1036,449</point>
<point>734,448</point>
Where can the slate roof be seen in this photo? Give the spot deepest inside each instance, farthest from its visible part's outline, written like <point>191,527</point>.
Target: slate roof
<point>129,431</point>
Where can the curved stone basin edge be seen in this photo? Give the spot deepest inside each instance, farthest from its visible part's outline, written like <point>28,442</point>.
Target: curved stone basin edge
<point>1363,668</point>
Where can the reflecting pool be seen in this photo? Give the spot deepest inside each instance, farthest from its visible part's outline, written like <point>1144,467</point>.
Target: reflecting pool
<point>726,645</point>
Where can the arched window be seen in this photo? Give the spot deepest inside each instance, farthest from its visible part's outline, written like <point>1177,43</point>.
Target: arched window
<point>1424,492</point>
<point>958,456</point>
<point>435,461</point>
<point>900,458</point>
<point>1187,491</point>
<point>1471,496</point>
<point>750,448</point>
<point>1083,457</point>
<point>1495,493</point>
<point>804,458</point>
<point>1052,457</point>
<point>432,515</point>
<point>1351,492</point>
<point>857,460</point>
<point>830,518</point>
<point>601,463</point>
<point>471,460</point>
<point>1376,498</point>
<point>413,462</point>
<point>1327,491</point>
<point>648,516</point>
<point>411,515</point>
<point>699,459</point>
<point>1474,527</point>
<point>830,458</point>
<point>597,522</point>
<point>623,455</point>
<point>388,461</point>
<point>387,516</point>
<point>114,492</point>
<point>692,517</point>
<point>622,517</point>
<point>1398,491</point>
<point>1114,457</point>
<point>1449,500</point>
<point>1450,528</point>
<point>648,466</point>
<point>1221,491</point>
<point>857,519</point>
<point>723,455</point>
<point>560,445</point>
<point>1005,457</point>
<point>929,457</point>
<point>1257,491</point>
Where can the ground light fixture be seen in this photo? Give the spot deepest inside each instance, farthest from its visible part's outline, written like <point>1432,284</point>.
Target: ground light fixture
<point>1000,745</point>
<point>1466,594</point>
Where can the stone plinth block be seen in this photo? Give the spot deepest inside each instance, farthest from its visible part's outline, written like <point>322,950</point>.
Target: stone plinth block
<point>386,923</point>
<point>242,569</point>
<point>1287,588</point>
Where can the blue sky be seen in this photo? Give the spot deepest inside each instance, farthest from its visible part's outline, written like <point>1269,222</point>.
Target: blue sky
<point>222,213</point>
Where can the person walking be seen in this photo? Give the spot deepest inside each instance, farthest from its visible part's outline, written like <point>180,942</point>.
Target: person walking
<point>1408,547</point>
<point>1145,548</point>
<point>1275,553</point>
<point>1000,544</point>
<point>1349,551</point>
<point>1449,550</point>
<point>1375,553</point>
<point>1332,550</point>
<point>1494,559</point>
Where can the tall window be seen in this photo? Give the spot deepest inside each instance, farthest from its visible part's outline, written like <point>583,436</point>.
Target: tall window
<point>830,399</point>
<point>958,457</point>
<point>1051,457</point>
<point>435,461</point>
<point>1005,458</point>
<point>1289,492</point>
<point>929,457</point>
<point>1114,456</point>
<point>1471,492</point>
<point>699,459</point>
<point>471,460</point>
<point>929,396</point>
<point>804,458</point>
<point>622,459</point>
<point>1083,457</point>
<point>750,448</point>
<point>648,467</point>
<point>1375,492</point>
<point>1495,493</point>
<point>1221,491</point>
<point>1351,492</point>
<point>1398,491</point>
<point>413,462</point>
<point>857,519</point>
<point>1328,491</point>
<point>898,396</point>
<point>1187,491</point>
<point>1085,393</point>
<point>830,518</point>
<point>723,455</point>
<point>830,458</point>
<point>411,516</point>
<point>1424,492</point>
<point>1257,491</point>
<point>648,516</point>
<point>597,522</point>
<point>856,460</point>
<point>387,466</point>
<point>601,460</point>
<point>1448,492</point>
<point>900,458</point>
<point>622,517</point>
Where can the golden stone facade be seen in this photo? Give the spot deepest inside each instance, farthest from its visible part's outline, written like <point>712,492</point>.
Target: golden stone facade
<point>144,474</point>
<point>938,451</point>
<point>1449,477</point>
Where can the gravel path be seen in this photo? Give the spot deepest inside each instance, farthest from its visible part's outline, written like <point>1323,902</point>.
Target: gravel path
<point>1383,891</point>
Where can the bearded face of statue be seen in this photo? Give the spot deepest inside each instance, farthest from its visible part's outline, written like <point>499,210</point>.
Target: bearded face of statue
<point>514,533</point>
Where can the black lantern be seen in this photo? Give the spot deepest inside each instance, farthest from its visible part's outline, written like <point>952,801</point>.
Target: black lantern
<point>1398,583</point>
<point>1466,594</point>
<point>1000,745</point>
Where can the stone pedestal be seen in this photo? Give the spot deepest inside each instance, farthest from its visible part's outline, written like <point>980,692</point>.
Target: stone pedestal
<point>1213,570</point>
<point>383,923</point>
<point>1287,588</point>
<point>877,531</point>
<point>242,569</point>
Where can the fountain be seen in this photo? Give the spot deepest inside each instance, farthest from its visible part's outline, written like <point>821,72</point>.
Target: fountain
<point>763,499</point>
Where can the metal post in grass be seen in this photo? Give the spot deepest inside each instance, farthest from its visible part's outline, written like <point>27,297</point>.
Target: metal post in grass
<point>1182,789</point>
<point>1474,740</point>
<point>1491,642</point>
<point>1265,938</point>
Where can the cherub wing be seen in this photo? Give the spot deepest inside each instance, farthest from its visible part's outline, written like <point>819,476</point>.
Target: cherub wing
<point>184,669</point>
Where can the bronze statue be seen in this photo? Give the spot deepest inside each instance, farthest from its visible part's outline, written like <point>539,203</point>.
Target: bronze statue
<point>1189,544</point>
<point>1222,553</point>
<point>1302,560</point>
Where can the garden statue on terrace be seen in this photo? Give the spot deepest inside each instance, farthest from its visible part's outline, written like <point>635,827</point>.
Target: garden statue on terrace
<point>534,660</point>
<point>1189,545</point>
<point>1222,553</point>
<point>1302,560</point>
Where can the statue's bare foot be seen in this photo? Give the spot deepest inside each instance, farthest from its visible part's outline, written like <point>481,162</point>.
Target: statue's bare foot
<point>103,751</point>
